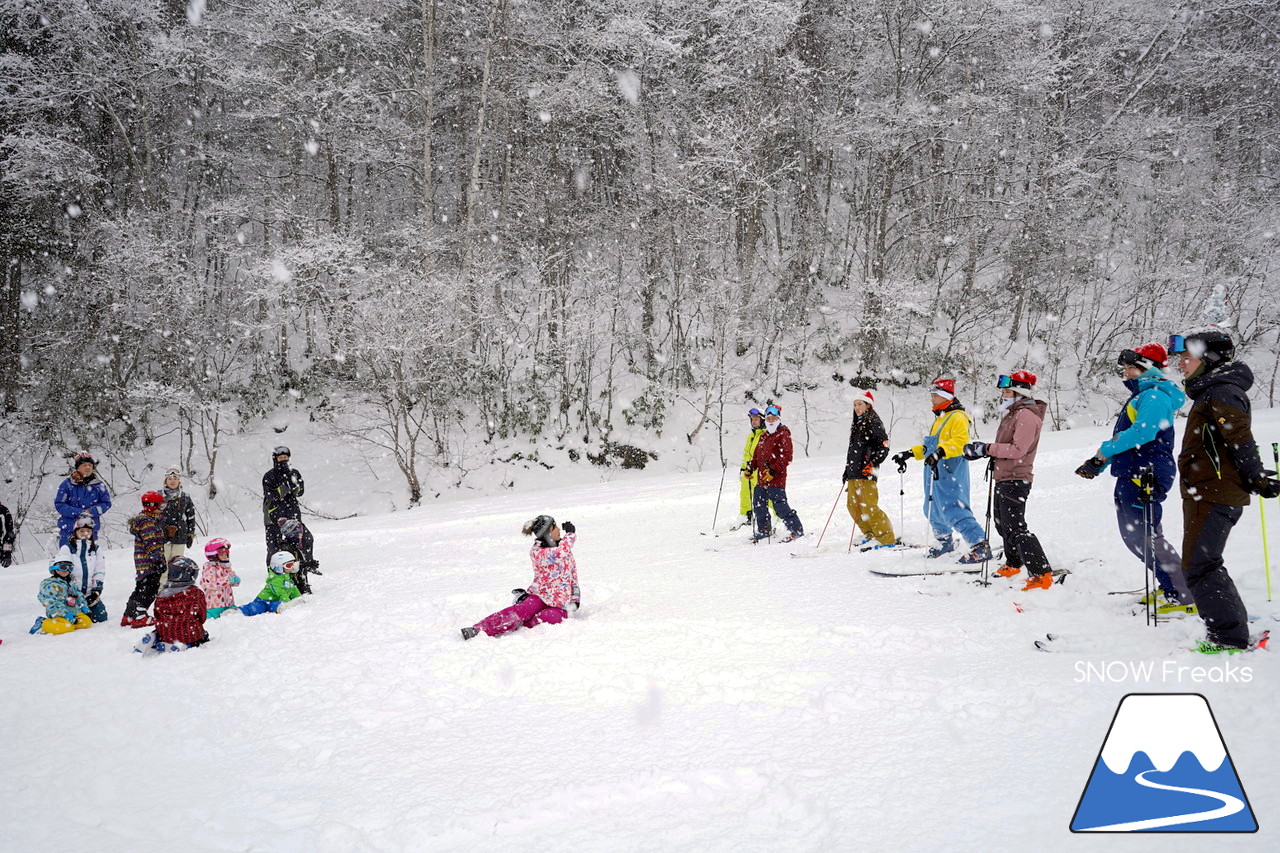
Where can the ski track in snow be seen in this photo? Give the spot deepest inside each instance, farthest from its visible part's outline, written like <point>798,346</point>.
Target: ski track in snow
<point>1230,805</point>
<point>737,700</point>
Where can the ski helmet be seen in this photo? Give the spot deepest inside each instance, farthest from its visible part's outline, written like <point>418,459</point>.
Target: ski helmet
<point>290,527</point>
<point>183,570</point>
<point>1145,357</point>
<point>280,450</point>
<point>84,520</point>
<point>213,546</point>
<point>1213,347</point>
<point>283,561</point>
<point>152,499</point>
<point>1021,381</point>
<point>61,566</point>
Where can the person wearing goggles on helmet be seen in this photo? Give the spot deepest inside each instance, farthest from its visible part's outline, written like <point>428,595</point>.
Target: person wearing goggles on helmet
<point>65,609</point>
<point>1142,439</point>
<point>946,473</point>
<point>280,590</point>
<point>90,569</point>
<point>769,465</point>
<point>747,477</point>
<point>147,528</point>
<point>281,488</point>
<point>217,578</point>
<point>1219,467</point>
<point>1013,456</point>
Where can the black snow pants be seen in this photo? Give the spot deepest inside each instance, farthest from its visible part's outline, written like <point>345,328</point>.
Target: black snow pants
<point>1021,547</point>
<point>1206,527</point>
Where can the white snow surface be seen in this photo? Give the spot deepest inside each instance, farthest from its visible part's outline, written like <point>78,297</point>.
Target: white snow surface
<point>730,700</point>
<point>1163,727</point>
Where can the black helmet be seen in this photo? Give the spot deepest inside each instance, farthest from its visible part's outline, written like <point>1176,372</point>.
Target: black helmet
<point>280,450</point>
<point>183,570</point>
<point>1213,346</point>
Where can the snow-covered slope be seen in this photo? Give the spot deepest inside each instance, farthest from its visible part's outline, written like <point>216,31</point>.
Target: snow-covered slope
<point>737,699</point>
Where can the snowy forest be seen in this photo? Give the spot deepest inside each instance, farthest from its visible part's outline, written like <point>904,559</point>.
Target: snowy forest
<point>523,221</point>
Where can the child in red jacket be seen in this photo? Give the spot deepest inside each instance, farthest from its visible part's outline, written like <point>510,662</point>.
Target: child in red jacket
<point>180,611</point>
<point>554,593</point>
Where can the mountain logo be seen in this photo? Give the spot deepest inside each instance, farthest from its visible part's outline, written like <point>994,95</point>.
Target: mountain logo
<point>1163,768</point>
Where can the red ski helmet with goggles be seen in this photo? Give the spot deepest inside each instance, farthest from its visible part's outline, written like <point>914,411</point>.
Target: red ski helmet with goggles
<point>152,499</point>
<point>1145,357</point>
<point>1019,380</point>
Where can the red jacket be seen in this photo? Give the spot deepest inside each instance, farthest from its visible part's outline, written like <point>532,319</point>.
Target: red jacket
<point>180,617</point>
<point>772,456</point>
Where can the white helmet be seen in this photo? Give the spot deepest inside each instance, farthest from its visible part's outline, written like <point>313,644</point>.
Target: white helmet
<point>283,561</point>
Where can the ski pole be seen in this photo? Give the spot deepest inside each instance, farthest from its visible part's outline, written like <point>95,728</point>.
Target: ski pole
<point>986,531</point>
<point>852,533</point>
<point>1145,475</point>
<point>830,514</point>
<point>1266,552</point>
<point>902,500</point>
<point>719,494</point>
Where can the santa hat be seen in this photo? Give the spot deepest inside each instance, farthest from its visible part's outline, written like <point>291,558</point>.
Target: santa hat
<point>864,396</point>
<point>944,387</point>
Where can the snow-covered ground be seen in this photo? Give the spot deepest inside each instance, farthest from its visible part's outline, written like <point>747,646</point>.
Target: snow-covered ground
<point>735,699</point>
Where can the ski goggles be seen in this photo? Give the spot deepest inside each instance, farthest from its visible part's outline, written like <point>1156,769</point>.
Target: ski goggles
<point>1179,344</point>
<point>281,451</point>
<point>755,413</point>
<point>772,411</point>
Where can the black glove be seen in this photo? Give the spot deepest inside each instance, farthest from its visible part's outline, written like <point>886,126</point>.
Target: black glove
<point>975,450</point>
<point>933,458</point>
<point>519,595</point>
<point>567,527</point>
<point>1092,467</point>
<point>92,598</point>
<point>1266,487</point>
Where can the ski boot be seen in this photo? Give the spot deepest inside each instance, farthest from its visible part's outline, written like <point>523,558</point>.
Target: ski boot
<point>1042,581</point>
<point>758,537</point>
<point>1007,571</point>
<point>944,545</point>
<point>1169,607</point>
<point>791,537</point>
<point>469,632</point>
<point>980,554</point>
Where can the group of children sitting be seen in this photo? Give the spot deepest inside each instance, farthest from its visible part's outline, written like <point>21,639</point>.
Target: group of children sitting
<point>184,595</point>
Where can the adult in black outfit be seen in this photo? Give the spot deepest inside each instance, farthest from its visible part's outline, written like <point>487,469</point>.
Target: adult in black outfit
<point>281,488</point>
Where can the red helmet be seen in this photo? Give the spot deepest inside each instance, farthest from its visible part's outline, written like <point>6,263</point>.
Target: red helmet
<point>1145,357</point>
<point>1023,377</point>
<point>152,499</point>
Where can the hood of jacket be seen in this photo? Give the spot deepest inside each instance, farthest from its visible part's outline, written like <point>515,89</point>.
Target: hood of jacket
<point>1155,378</point>
<point>1228,373</point>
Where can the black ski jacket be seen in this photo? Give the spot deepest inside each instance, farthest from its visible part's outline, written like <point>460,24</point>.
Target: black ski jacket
<point>179,517</point>
<point>1219,459</point>
<point>281,488</point>
<point>868,446</point>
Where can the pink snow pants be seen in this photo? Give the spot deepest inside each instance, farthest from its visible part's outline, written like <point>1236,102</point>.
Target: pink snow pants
<point>529,612</point>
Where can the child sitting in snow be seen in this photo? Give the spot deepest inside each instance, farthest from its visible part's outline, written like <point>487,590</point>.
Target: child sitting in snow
<point>554,593</point>
<point>217,578</point>
<point>64,605</point>
<point>280,590</point>
<point>180,611</point>
<point>297,539</point>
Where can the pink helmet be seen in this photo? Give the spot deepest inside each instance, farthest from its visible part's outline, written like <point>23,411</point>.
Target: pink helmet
<point>213,546</point>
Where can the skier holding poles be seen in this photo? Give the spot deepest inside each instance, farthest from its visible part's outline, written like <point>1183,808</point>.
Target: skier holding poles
<point>1142,437</point>
<point>946,476</point>
<point>868,448</point>
<point>1220,467</point>
<point>1014,455</point>
<point>769,464</point>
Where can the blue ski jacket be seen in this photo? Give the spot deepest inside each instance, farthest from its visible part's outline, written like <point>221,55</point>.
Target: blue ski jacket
<point>1143,433</point>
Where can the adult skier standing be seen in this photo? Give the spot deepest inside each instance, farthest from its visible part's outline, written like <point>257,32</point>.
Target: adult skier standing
<point>946,475</point>
<point>1143,439</point>
<point>769,465</point>
<point>868,448</point>
<point>1014,456</point>
<point>1219,467</point>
